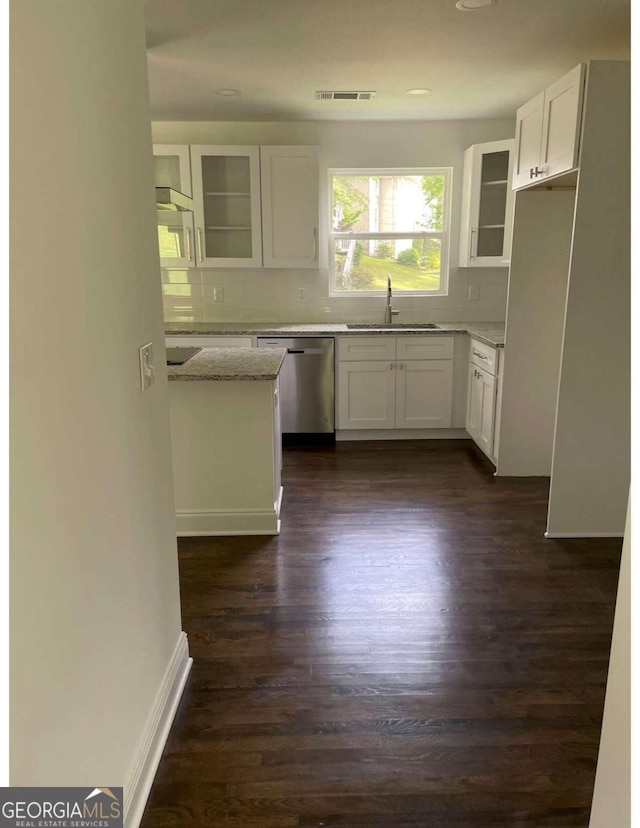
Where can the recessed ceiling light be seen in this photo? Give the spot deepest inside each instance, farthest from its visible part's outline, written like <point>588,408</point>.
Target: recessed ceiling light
<point>227,93</point>
<point>417,91</point>
<point>474,5</point>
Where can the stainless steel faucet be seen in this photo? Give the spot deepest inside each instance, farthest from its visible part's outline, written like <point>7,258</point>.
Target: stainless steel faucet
<point>389,312</point>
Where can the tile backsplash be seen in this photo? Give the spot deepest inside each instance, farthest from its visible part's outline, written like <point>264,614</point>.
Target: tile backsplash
<point>194,295</point>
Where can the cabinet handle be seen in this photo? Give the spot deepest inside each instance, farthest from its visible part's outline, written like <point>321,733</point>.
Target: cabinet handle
<point>538,171</point>
<point>391,366</point>
<point>187,239</point>
<point>531,173</point>
<point>402,366</point>
<point>473,230</point>
<point>315,244</point>
<point>481,356</point>
<point>199,239</point>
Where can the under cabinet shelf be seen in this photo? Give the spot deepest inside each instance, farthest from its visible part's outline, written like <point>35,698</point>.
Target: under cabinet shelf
<point>228,194</point>
<point>492,226</point>
<point>229,227</point>
<point>498,183</point>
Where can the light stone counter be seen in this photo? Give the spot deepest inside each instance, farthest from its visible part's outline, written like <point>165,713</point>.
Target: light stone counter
<point>230,364</point>
<point>492,333</point>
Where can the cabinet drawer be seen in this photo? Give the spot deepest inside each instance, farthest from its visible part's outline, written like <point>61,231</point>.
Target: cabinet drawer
<point>424,347</point>
<point>484,356</point>
<point>208,342</point>
<point>366,347</point>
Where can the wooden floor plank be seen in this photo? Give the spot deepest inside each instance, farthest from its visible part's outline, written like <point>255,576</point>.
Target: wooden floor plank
<point>410,651</point>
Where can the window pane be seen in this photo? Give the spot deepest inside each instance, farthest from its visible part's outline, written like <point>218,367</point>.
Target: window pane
<point>363,264</point>
<point>388,203</point>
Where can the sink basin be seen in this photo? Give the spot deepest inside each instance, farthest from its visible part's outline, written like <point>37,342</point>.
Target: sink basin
<point>396,325</point>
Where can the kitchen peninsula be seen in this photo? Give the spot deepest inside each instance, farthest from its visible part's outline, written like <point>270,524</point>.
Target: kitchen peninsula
<point>226,442</point>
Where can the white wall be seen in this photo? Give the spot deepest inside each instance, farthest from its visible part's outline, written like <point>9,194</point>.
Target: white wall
<point>535,324</point>
<point>590,469</point>
<point>271,295</point>
<point>95,612</point>
<point>611,805</point>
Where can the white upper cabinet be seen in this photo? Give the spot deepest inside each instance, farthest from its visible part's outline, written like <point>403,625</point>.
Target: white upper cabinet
<point>487,205</point>
<point>561,124</point>
<point>289,177</point>
<point>548,131</point>
<point>528,141</point>
<point>254,207</point>
<point>172,168</point>
<point>226,194</point>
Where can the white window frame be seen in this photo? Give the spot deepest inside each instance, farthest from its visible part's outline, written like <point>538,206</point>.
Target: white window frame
<point>444,235</point>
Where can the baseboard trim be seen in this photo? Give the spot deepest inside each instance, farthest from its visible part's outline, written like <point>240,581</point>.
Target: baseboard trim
<point>560,535</point>
<point>156,732</point>
<point>345,435</point>
<point>220,522</point>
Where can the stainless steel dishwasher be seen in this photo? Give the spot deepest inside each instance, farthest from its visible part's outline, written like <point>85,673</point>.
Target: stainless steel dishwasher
<point>307,387</point>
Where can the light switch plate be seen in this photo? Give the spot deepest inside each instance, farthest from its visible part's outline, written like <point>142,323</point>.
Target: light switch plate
<point>147,375</point>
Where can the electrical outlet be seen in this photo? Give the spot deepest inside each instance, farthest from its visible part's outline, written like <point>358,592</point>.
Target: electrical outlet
<point>302,294</point>
<point>218,294</point>
<point>147,374</point>
<point>474,293</point>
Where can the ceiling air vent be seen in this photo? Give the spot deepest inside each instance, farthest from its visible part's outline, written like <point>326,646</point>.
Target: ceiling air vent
<point>344,96</point>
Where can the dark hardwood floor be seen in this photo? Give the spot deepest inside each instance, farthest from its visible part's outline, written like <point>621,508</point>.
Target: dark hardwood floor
<point>410,651</point>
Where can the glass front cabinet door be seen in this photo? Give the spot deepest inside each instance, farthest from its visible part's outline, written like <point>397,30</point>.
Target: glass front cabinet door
<point>487,205</point>
<point>226,194</point>
<point>172,168</point>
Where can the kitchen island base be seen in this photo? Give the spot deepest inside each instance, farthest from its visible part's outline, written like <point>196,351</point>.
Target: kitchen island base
<point>227,455</point>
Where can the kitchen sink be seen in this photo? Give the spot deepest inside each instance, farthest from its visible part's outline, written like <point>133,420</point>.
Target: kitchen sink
<point>396,325</point>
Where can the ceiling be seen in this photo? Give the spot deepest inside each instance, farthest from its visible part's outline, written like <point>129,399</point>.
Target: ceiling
<point>479,64</point>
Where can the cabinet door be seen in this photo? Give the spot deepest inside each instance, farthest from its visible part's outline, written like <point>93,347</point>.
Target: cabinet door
<point>485,230</point>
<point>172,168</point>
<point>423,394</point>
<point>226,195</point>
<point>366,394</point>
<point>528,141</point>
<point>561,124</point>
<point>481,403</point>
<point>289,177</point>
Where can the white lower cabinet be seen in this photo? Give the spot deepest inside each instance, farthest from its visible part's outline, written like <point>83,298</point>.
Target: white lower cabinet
<point>392,393</point>
<point>423,394</point>
<point>366,394</point>
<point>482,397</point>
<point>481,410</point>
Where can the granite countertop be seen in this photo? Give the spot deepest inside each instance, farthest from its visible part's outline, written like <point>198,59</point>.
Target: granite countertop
<point>230,364</point>
<point>491,333</point>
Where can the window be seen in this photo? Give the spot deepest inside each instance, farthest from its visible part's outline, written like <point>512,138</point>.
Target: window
<point>390,222</point>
